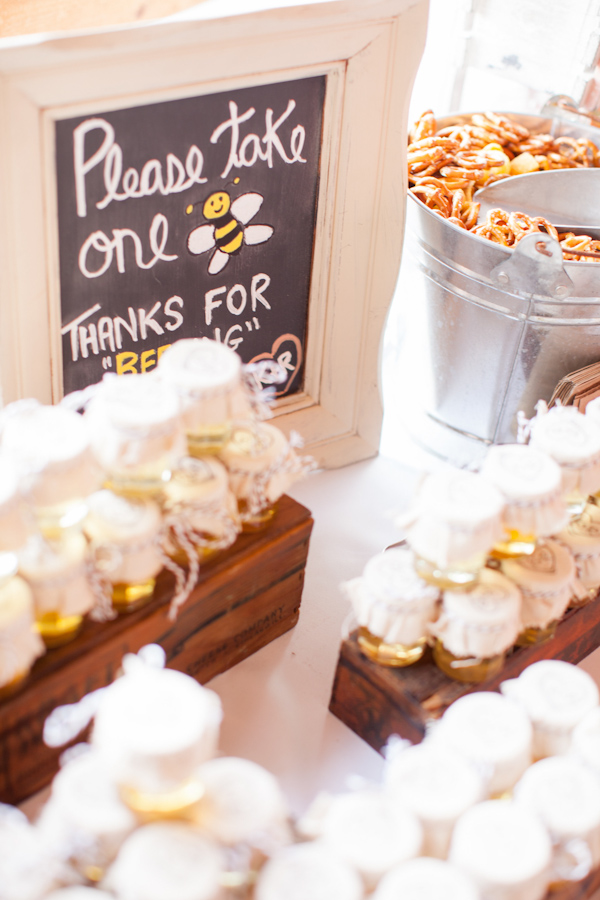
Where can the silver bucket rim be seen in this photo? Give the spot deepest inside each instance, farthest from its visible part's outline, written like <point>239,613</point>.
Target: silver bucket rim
<point>527,120</point>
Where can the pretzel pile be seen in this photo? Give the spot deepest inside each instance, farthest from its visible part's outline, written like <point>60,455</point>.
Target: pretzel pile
<point>447,166</point>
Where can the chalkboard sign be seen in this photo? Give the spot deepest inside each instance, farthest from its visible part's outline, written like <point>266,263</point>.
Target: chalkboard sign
<point>187,218</point>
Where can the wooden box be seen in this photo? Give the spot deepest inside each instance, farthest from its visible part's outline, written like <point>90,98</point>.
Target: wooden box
<point>377,702</point>
<point>245,597</point>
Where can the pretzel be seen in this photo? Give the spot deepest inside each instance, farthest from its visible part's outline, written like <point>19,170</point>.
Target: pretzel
<point>448,165</point>
<point>425,126</point>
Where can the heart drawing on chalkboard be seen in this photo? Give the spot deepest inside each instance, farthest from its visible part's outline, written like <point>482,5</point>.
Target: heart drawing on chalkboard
<point>287,352</point>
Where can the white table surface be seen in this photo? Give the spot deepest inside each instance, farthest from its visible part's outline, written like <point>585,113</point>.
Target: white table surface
<point>276,701</point>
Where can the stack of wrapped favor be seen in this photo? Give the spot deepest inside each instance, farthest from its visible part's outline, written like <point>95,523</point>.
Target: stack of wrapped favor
<point>162,470</point>
<point>492,559</point>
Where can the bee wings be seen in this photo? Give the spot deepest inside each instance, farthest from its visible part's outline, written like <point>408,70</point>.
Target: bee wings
<point>246,206</point>
<point>201,239</point>
<point>257,234</point>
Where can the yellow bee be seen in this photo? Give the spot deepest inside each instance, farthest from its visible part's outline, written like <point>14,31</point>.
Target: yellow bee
<point>228,231</point>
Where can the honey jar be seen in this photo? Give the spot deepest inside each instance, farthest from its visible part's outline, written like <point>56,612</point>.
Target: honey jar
<point>153,730</point>
<point>198,502</point>
<point>546,580</point>
<point>556,696</point>
<point>573,441</point>
<point>531,484</point>
<point>124,537</point>
<point>426,878</point>
<point>308,870</point>
<point>57,573</point>
<point>491,731</point>
<point>207,377</point>
<point>437,784</point>
<point>582,538</point>
<point>456,521</point>
<point>393,607</point>
<point>85,820</point>
<point>504,849</point>
<point>565,796</point>
<point>169,860</point>
<point>136,433</point>
<point>370,832</point>
<point>261,466</point>
<point>242,804</point>
<point>49,446</point>
<point>476,627</point>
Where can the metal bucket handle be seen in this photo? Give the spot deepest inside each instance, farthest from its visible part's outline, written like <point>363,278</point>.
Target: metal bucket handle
<point>535,267</point>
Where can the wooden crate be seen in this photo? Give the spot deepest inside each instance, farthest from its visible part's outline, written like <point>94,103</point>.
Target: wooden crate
<point>246,597</point>
<point>377,702</point>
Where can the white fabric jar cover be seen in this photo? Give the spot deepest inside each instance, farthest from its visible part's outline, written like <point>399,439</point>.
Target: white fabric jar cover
<point>308,870</point>
<point>556,696</point>
<point>426,879</point>
<point>167,861</point>
<point>57,574</point>
<point>505,850</point>
<point>49,446</point>
<point>390,599</point>
<point>85,820</point>
<point>531,484</point>
<point>547,581</point>
<point>261,464</point>
<point>124,536</point>
<point>481,622</point>
<point>154,727</point>
<point>369,831</point>
<point>565,796</point>
<point>198,498</point>
<point>457,517</point>
<point>207,377</point>
<point>134,424</point>
<point>437,784</point>
<point>573,441</point>
<point>242,803</point>
<point>491,731</point>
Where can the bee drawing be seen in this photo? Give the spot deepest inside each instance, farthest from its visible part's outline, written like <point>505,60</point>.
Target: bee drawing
<point>227,229</point>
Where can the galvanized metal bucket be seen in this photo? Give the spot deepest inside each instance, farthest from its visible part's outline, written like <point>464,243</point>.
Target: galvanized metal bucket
<point>500,327</point>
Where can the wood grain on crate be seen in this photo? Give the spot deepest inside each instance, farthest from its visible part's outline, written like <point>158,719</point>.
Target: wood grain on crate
<point>245,597</point>
<point>377,702</point>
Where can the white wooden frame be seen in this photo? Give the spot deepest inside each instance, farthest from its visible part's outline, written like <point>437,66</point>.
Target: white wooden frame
<point>369,50</point>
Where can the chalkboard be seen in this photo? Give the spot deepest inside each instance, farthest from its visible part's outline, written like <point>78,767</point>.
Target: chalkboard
<point>188,218</point>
